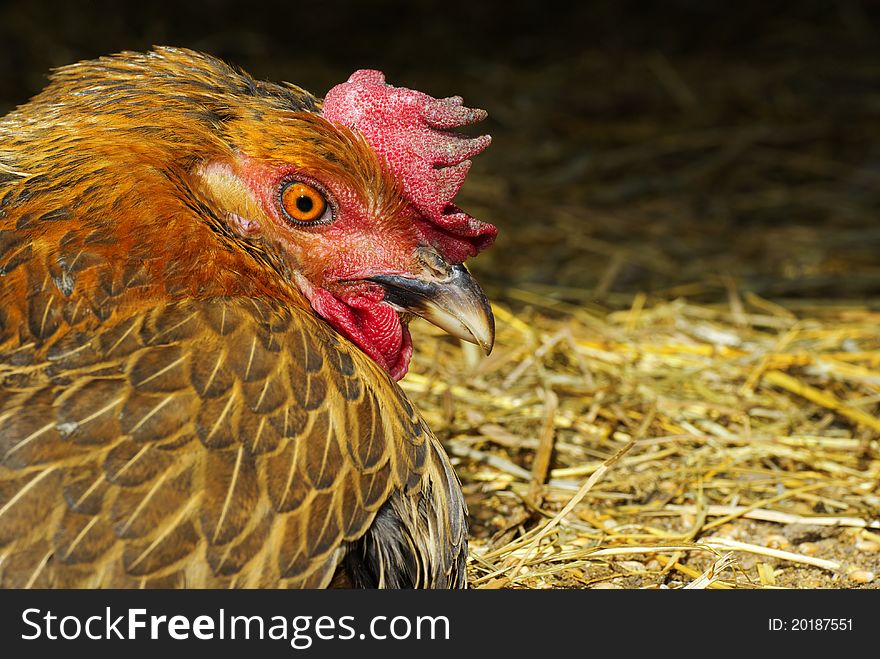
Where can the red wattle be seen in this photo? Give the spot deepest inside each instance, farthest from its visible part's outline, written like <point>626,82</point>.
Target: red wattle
<point>372,325</point>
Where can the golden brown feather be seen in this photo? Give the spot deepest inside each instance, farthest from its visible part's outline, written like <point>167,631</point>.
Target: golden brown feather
<point>172,413</point>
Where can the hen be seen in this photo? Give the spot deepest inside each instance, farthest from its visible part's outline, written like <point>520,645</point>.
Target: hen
<point>205,284</point>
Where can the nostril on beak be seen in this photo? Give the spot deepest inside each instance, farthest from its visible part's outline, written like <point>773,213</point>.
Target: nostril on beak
<point>433,265</point>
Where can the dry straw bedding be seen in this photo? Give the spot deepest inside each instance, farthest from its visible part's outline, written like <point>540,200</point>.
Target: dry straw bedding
<point>665,445</point>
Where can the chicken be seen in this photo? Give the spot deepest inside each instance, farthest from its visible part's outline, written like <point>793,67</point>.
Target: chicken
<point>205,285</point>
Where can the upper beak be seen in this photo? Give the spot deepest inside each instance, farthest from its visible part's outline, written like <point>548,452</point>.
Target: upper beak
<point>445,295</point>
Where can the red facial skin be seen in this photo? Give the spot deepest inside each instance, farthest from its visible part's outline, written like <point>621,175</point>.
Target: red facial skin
<point>332,259</point>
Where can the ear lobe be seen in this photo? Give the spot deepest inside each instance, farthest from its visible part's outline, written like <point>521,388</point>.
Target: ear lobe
<point>243,226</point>
<point>230,197</point>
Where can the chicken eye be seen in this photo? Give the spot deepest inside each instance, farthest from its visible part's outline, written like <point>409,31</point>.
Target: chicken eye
<point>304,204</point>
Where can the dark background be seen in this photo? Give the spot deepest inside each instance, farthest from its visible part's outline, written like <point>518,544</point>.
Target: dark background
<point>670,148</point>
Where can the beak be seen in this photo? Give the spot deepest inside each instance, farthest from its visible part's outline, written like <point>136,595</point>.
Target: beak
<point>445,295</point>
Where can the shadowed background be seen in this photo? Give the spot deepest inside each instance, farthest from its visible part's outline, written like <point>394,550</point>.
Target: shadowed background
<point>664,149</point>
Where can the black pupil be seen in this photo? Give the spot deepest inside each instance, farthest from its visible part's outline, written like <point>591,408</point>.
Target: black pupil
<point>304,204</point>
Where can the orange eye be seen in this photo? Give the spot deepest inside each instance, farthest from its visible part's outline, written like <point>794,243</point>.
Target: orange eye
<point>303,203</point>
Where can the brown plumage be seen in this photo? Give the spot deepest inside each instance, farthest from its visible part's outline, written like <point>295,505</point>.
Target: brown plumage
<point>173,411</point>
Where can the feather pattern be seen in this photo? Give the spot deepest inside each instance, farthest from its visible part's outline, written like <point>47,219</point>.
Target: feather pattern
<point>172,411</point>
<point>123,479</point>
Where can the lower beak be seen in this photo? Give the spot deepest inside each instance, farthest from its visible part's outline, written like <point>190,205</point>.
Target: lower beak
<point>448,297</point>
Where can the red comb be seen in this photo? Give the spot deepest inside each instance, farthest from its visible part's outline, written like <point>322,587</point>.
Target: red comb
<point>411,130</point>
